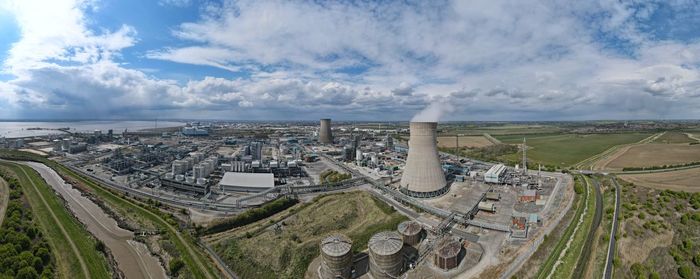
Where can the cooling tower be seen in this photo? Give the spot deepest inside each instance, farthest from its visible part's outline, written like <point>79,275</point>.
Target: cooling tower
<point>423,176</point>
<point>324,134</point>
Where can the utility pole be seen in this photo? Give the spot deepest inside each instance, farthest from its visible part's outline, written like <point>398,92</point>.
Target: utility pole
<point>524,157</point>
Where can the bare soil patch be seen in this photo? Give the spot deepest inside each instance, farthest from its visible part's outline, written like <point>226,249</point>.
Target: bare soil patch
<point>649,155</point>
<point>680,180</point>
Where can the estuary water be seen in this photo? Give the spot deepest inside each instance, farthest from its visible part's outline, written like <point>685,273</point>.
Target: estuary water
<point>20,129</point>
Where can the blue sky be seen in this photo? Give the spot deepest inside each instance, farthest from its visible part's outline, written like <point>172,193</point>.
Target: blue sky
<point>352,60</point>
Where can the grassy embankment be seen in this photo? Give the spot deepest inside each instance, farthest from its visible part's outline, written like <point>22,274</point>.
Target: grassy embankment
<point>585,194</point>
<point>284,245</point>
<point>72,246</point>
<point>195,261</point>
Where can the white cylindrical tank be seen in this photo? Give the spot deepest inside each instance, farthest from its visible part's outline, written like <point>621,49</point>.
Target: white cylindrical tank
<point>201,181</point>
<point>179,177</point>
<point>190,179</point>
<point>169,175</point>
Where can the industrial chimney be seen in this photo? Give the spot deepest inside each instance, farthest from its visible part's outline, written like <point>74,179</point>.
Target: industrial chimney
<point>423,176</point>
<point>324,134</point>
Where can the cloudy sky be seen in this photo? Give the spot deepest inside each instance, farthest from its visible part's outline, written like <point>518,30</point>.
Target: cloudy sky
<point>353,60</point>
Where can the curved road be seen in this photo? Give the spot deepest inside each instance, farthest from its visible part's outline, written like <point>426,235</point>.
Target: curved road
<point>611,246</point>
<point>132,257</point>
<point>583,261</point>
<point>4,199</point>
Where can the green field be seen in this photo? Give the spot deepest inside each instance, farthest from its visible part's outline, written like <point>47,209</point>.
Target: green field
<point>564,150</point>
<point>196,262</point>
<point>261,251</point>
<point>674,137</point>
<point>73,247</point>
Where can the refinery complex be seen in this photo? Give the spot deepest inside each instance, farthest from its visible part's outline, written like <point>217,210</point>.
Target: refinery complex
<point>464,215</point>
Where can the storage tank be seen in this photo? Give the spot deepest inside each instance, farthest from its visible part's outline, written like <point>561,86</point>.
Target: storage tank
<point>179,177</point>
<point>411,232</point>
<point>487,206</point>
<point>385,257</point>
<point>190,179</point>
<point>423,176</point>
<point>169,176</point>
<point>201,181</point>
<point>447,254</point>
<point>324,133</point>
<point>337,256</point>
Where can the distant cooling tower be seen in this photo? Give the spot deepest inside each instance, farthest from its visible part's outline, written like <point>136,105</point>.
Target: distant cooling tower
<point>324,134</point>
<point>423,176</point>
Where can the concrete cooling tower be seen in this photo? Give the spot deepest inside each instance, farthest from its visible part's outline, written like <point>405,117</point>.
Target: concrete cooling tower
<point>324,134</point>
<point>423,176</point>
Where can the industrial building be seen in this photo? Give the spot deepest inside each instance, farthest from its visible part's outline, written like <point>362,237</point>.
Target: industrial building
<point>423,176</point>
<point>336,253</point>
<point>495,174</point>
<point>385,257</point>
<point>246,182</point>
<point>411,232</point>
<point>324,133</point>
<point>448,253</point>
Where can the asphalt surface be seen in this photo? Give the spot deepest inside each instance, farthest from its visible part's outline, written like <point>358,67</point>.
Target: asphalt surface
<point>580,269</point>
<point>611,246</point>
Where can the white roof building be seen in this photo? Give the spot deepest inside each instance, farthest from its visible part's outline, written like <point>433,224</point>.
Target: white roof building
<point>247,182</point>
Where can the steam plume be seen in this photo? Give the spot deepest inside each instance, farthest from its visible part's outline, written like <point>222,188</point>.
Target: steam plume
<point>433,112</point>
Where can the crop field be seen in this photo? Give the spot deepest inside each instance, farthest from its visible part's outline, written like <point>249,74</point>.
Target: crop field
<point>655,154</point>
<point>678,180</point>
<point>658,235</point>
<point>73,247</point>
<point>464,141</point>
<point>284,245</point>
<point>508,129</point>
<point>564,150</point>
<point>674,137</point>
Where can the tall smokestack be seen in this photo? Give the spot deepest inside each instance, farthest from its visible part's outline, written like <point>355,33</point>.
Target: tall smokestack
<point>423,176</point>
<point>324,134</point>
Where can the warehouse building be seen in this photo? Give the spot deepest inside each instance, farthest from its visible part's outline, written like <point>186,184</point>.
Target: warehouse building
<point>247,182</point>
<point>495,174</point>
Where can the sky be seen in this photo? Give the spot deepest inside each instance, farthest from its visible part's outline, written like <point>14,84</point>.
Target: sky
<point>350,60</point>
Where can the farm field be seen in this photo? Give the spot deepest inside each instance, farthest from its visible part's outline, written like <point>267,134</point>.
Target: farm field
<point>674,137</point>
<point>508,129</point>
<point>265,250</point>
<point>679,180</point>
<point>655,154</point>
<point>564,150</point>
<point>464,141</point>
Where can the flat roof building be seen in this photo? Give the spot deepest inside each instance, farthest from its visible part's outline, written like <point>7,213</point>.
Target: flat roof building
<point>247,182</point>
<point>495,174</point>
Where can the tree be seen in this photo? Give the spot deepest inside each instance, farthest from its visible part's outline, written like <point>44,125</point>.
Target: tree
<point>175,265</point>
<point>27,273</point>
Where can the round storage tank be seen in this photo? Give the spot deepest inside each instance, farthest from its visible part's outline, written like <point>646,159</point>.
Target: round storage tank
<point>201,181</point>
<point>411,232</point>
<point>337,256</point>
<point>386,260</point>
<point>447,254</point>
<point>179,177</point>
<point>189,179</point>
<point>169,175</point>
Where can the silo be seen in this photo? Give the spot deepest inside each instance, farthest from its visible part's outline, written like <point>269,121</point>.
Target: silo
<point>337,256</point>
<point>411,232</point>
<point>385,257</point>
<point>423,176</point>
<point>447,253</point>
<point>324,134</point>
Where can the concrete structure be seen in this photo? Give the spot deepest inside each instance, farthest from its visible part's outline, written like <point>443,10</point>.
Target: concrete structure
<point>487,206</point>
<point>447,253</point>
<point>423,176</point>
<point>411,232</point>
<point>385,257</point>
<point>495,174</point>
<point>528,196</point>
<point>337,257</point>
<point>324,133</point>
<point>247,182</point>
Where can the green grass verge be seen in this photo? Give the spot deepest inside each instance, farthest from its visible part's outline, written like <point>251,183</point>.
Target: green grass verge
<point>547,266</point>
<point>68,260</point>
<point>564,150</point>
<point>573,256</point>
<point>196,262</point>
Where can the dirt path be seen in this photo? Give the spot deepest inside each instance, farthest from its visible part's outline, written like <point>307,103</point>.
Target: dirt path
<point>601,160</point>
<point>4,199</point>
<point>58,223</point>
<point>128,254</point>
<point>692,136</point>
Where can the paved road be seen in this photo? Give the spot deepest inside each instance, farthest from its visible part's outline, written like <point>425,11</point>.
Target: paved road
<point>611,246</point>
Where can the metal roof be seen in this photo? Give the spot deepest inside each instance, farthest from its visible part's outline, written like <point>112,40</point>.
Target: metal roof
<point>336,245</point>
<point>386,243</point>
<point>245,179</point>
<point>409,227</point>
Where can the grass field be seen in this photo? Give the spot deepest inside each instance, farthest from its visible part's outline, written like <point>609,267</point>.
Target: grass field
<point>196,262</point>
<point>73,247</point>
<point>501,129</point>
<point>679,180</point>
<point>674,137</point>
<point>655,154</point>
<point>564,150</point>
<point>261,251</point>
<point>464,141</point>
